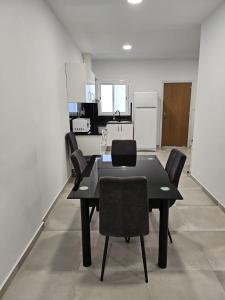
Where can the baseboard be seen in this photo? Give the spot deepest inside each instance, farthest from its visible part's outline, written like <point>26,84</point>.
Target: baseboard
<point>20,261</point>
<point>146,150</point>
<point>209,194</point>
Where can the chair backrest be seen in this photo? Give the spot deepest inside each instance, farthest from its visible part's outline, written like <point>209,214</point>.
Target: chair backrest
<point>174,165</point>
<point>79,163</point>
<point>124,152</point>
<point>124,147</point>
<point>123,206</point>
<point>71,140</point>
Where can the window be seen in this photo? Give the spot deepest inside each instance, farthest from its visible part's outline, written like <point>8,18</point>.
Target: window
<point>113,98</point>
<point>72,108</point>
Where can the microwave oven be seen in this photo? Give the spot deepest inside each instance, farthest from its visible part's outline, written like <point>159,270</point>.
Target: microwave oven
<point>81,125</point>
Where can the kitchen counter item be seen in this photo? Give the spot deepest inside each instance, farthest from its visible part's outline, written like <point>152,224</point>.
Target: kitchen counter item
<point>81,125</point>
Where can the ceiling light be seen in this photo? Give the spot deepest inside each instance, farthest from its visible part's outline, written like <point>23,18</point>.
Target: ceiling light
<point>134,1</point>
<point>127,47</point>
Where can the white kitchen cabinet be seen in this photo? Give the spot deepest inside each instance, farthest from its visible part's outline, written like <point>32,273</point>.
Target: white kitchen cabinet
<point>126,132</point>
<point>119,132</point>
<point>113,133</point>
<point>89,144</point>
<point>80,83</point>
<point>90,76</point>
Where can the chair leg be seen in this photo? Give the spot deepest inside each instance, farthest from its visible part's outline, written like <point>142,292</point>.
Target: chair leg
<point>144,258</point>
<point>170,237</point>
<point>127,239</point>
<point>91,213</point>
<point>104,257</point>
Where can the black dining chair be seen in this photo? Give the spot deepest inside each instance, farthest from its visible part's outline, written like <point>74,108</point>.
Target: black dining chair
<point>73,146</point>
<point>124,152</point>
<point>79,163</point>
<point>72,141</point>
<point>174,167</point>
<point>123,211</point>
<point>124,147</point>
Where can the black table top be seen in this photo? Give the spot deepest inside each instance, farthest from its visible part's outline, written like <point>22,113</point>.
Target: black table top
<point>159,186</point>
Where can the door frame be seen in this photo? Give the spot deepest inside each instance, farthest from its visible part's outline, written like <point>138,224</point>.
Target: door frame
<point>191,113</point>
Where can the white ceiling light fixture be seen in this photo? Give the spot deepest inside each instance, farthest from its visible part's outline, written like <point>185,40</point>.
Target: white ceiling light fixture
<point>134,1</point>
<point>127,47</point>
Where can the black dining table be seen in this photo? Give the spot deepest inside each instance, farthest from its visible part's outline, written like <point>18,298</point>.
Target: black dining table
<point>160,193</point>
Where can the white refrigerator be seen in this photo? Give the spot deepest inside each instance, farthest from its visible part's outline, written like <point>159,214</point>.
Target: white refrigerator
<point>145,120</point>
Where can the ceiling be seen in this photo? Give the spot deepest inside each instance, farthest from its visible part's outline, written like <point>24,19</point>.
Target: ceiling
<point>157,29</point>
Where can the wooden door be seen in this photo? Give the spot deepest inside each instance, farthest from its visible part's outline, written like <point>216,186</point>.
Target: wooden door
<point>176,111</point>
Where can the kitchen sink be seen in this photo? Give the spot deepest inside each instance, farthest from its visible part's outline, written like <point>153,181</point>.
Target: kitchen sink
<point>125,122</point>
<point>119,122</point>
<point>113,122</point>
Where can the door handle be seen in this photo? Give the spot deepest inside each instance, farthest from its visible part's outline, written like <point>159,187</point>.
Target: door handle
<point>164,115</point>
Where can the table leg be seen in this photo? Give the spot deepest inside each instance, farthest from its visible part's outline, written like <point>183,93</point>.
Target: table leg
<point>86,238</point>
<point>163,234</point>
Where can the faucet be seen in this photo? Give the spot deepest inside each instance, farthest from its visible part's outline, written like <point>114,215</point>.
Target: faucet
<point>115,114</point>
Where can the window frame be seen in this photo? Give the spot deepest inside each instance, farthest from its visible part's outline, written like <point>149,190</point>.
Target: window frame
<point>126,113</point>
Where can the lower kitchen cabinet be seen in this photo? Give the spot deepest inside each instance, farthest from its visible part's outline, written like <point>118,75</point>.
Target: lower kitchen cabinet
<point>113,133</point>
<point>119,132</point>
<point>89,144</point>
<point>127,132</point>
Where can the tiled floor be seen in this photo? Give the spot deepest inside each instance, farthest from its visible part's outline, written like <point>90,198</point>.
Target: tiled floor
<point>196,259</point>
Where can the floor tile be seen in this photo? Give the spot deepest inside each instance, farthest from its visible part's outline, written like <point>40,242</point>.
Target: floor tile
<point>65,216</point>
<point>194,197</point>
<point>221,277</point>
<point>55,252</point>
<point>204,218</point>
<point>116,285</point>
<point>42,285</point>
<point>178,221</point>
<point>183,254</point>
<point>185,285</point>
<point>213,246</point>
<point>187,182</point>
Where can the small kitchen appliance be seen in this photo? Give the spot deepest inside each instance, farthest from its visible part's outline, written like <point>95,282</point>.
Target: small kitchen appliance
<point>81,125</point>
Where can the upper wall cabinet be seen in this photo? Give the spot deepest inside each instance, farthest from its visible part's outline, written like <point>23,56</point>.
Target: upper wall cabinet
<point>80,82</point>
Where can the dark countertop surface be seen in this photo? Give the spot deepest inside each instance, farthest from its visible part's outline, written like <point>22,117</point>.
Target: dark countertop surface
<point>101,122</point>
<point>119,122</point>
<point>95,130</point>
<point>87,133</point>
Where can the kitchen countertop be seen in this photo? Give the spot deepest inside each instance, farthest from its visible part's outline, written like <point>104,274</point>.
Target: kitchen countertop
<point>119,122</point>
<point>95,130</point>
<point>87,133</point>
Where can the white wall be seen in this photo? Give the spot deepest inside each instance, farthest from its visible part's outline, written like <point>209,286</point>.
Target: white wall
<point>33,120</point>
<point>148,75</point>
<point>208,159</point>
